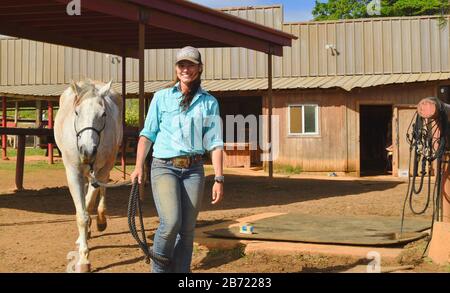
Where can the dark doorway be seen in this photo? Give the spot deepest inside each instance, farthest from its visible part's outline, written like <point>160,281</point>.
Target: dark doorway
<point>375,140</point>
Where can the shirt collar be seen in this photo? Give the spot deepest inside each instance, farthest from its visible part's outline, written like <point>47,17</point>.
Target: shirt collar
<point>176,88</point>
<point>200,91</point>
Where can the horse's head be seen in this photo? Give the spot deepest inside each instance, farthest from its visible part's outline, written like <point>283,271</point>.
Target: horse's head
<point>90,118</point>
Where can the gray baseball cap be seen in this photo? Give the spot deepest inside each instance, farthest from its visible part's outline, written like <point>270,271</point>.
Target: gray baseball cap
<point>189,53</point>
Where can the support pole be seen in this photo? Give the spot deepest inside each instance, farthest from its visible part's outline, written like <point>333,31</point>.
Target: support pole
<point>269,95</point>
<point>439,250</point>
<point>428,108</point>
<point>50,126</point>
<point>4,124</point>
<point>124,94</point>
<point>20,161</point>
<point>16,121</point>
<point>143,17</point>
<point>38,124</point>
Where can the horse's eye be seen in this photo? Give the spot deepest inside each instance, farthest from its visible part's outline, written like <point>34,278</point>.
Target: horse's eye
<point>76,113</point>
<point>104,114</point>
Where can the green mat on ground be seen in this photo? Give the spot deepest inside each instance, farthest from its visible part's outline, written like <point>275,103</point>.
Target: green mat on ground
<point>354,230</point>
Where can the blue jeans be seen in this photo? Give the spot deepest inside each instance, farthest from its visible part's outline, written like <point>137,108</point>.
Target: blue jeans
<point>178,195</point>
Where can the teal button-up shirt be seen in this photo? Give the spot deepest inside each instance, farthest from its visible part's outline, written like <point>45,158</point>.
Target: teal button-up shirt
<point>175,132</point>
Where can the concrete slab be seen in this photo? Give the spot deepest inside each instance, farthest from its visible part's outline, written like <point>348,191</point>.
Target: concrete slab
<point>286,248</point>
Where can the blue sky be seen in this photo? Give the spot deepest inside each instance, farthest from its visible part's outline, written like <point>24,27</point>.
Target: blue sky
<point>294,10</point>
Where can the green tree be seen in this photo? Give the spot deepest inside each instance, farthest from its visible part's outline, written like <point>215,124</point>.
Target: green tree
<point>340,9</point>
<point>345,9</point>
<point>413,7</point>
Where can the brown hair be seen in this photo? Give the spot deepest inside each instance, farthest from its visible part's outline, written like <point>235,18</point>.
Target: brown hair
<point>193,88</point>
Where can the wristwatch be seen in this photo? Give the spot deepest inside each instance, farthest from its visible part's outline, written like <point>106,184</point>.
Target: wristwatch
<point>219,179</point>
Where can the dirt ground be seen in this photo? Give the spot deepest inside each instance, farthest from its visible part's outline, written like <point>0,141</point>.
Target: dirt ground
<point>38,228</point>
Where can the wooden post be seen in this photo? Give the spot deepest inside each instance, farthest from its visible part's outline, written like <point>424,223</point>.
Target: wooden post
<point>38,122</point>
<point>427,108</point>
<point>20,162</point>
<point>16,121</point>
<point>142,24</point>
<point>124,138</point>
<point>50,126</point>
<point>440,242</point>
<point>4,124</point>
<point>269,94</point>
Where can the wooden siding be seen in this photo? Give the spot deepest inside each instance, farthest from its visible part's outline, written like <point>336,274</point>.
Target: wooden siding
<point>365,46</point>
<point>335,150</point>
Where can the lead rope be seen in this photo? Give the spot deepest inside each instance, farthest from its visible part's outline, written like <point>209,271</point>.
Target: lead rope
<point>134,204</point>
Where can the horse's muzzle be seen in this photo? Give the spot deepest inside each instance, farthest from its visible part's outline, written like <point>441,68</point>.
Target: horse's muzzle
<point>87,156</point>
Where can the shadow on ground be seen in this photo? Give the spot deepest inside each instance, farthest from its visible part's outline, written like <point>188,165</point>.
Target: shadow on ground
<point>240,192</point>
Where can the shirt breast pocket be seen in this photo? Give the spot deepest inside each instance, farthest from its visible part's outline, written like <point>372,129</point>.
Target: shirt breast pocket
<point>169,114</point>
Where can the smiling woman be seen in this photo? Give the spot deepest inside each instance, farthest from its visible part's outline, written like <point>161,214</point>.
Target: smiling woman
<point>182,123</point>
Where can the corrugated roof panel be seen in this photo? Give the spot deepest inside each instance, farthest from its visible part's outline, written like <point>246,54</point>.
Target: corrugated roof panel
<point>345,82</point>
<point>350,84</point>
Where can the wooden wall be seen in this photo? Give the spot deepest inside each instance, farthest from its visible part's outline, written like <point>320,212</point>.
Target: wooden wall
<point>336,148</point>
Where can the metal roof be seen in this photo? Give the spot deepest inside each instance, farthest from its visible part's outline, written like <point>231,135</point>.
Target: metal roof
<point>344,82</point>
<point>112,26</point>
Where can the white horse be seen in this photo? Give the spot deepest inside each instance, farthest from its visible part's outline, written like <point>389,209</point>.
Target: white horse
<point>88,131</point>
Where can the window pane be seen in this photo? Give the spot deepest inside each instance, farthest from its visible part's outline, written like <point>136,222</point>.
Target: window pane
<point>310,119</point>
<point>295,122</point>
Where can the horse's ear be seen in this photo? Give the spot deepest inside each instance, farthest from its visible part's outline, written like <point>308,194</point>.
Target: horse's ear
<point>76,89</point>
<point>104,90</point>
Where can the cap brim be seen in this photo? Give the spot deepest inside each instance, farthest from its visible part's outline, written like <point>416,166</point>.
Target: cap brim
<point>189,59</point>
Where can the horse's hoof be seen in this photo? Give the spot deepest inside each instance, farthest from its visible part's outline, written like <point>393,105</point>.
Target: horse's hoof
<point>83,268</point>
<point>102,226</point>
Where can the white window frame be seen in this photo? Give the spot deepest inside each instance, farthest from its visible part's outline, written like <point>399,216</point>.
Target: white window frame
<point>303,120</point>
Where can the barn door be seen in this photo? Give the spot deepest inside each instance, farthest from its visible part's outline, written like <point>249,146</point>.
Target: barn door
<point>403,114</point>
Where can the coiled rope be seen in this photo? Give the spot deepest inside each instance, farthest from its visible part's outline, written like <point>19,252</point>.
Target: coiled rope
<point>134,204</point>
<point>424,149</point>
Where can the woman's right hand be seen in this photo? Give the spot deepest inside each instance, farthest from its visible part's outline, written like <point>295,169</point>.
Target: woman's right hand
<point>137,173</point>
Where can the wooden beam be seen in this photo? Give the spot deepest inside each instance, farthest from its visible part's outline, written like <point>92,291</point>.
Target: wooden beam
<point>428,108</point>
<point>50,126</point>
<point>270,94</point>
<point>26,131</point>
<point>20,161</point>
<point>15,30</point>
<point>141,74</point>
<point>124,94</point>
<point>4,124</point>
<point>141,87</point>
<point>198,29</point>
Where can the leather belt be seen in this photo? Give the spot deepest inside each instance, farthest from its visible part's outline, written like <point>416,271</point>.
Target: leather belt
<point>185,162</point>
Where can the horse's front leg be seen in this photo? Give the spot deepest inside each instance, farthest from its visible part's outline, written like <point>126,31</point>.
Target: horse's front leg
<point>76,186</point>
<point>102,176</point>
<point>91,198</point>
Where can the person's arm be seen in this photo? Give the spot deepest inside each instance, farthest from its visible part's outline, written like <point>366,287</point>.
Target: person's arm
<point>146,138</point>
<point>143,148</point>
<point>217,161</point>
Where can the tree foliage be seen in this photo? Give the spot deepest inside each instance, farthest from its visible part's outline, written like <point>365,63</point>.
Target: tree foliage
<point>347,9</point>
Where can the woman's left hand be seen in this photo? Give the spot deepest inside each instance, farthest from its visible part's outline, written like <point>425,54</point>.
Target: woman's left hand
<point>217,192</point>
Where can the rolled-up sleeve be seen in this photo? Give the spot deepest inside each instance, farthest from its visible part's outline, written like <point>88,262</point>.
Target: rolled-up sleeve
<point>151,126</point>
<point>212,137</point>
